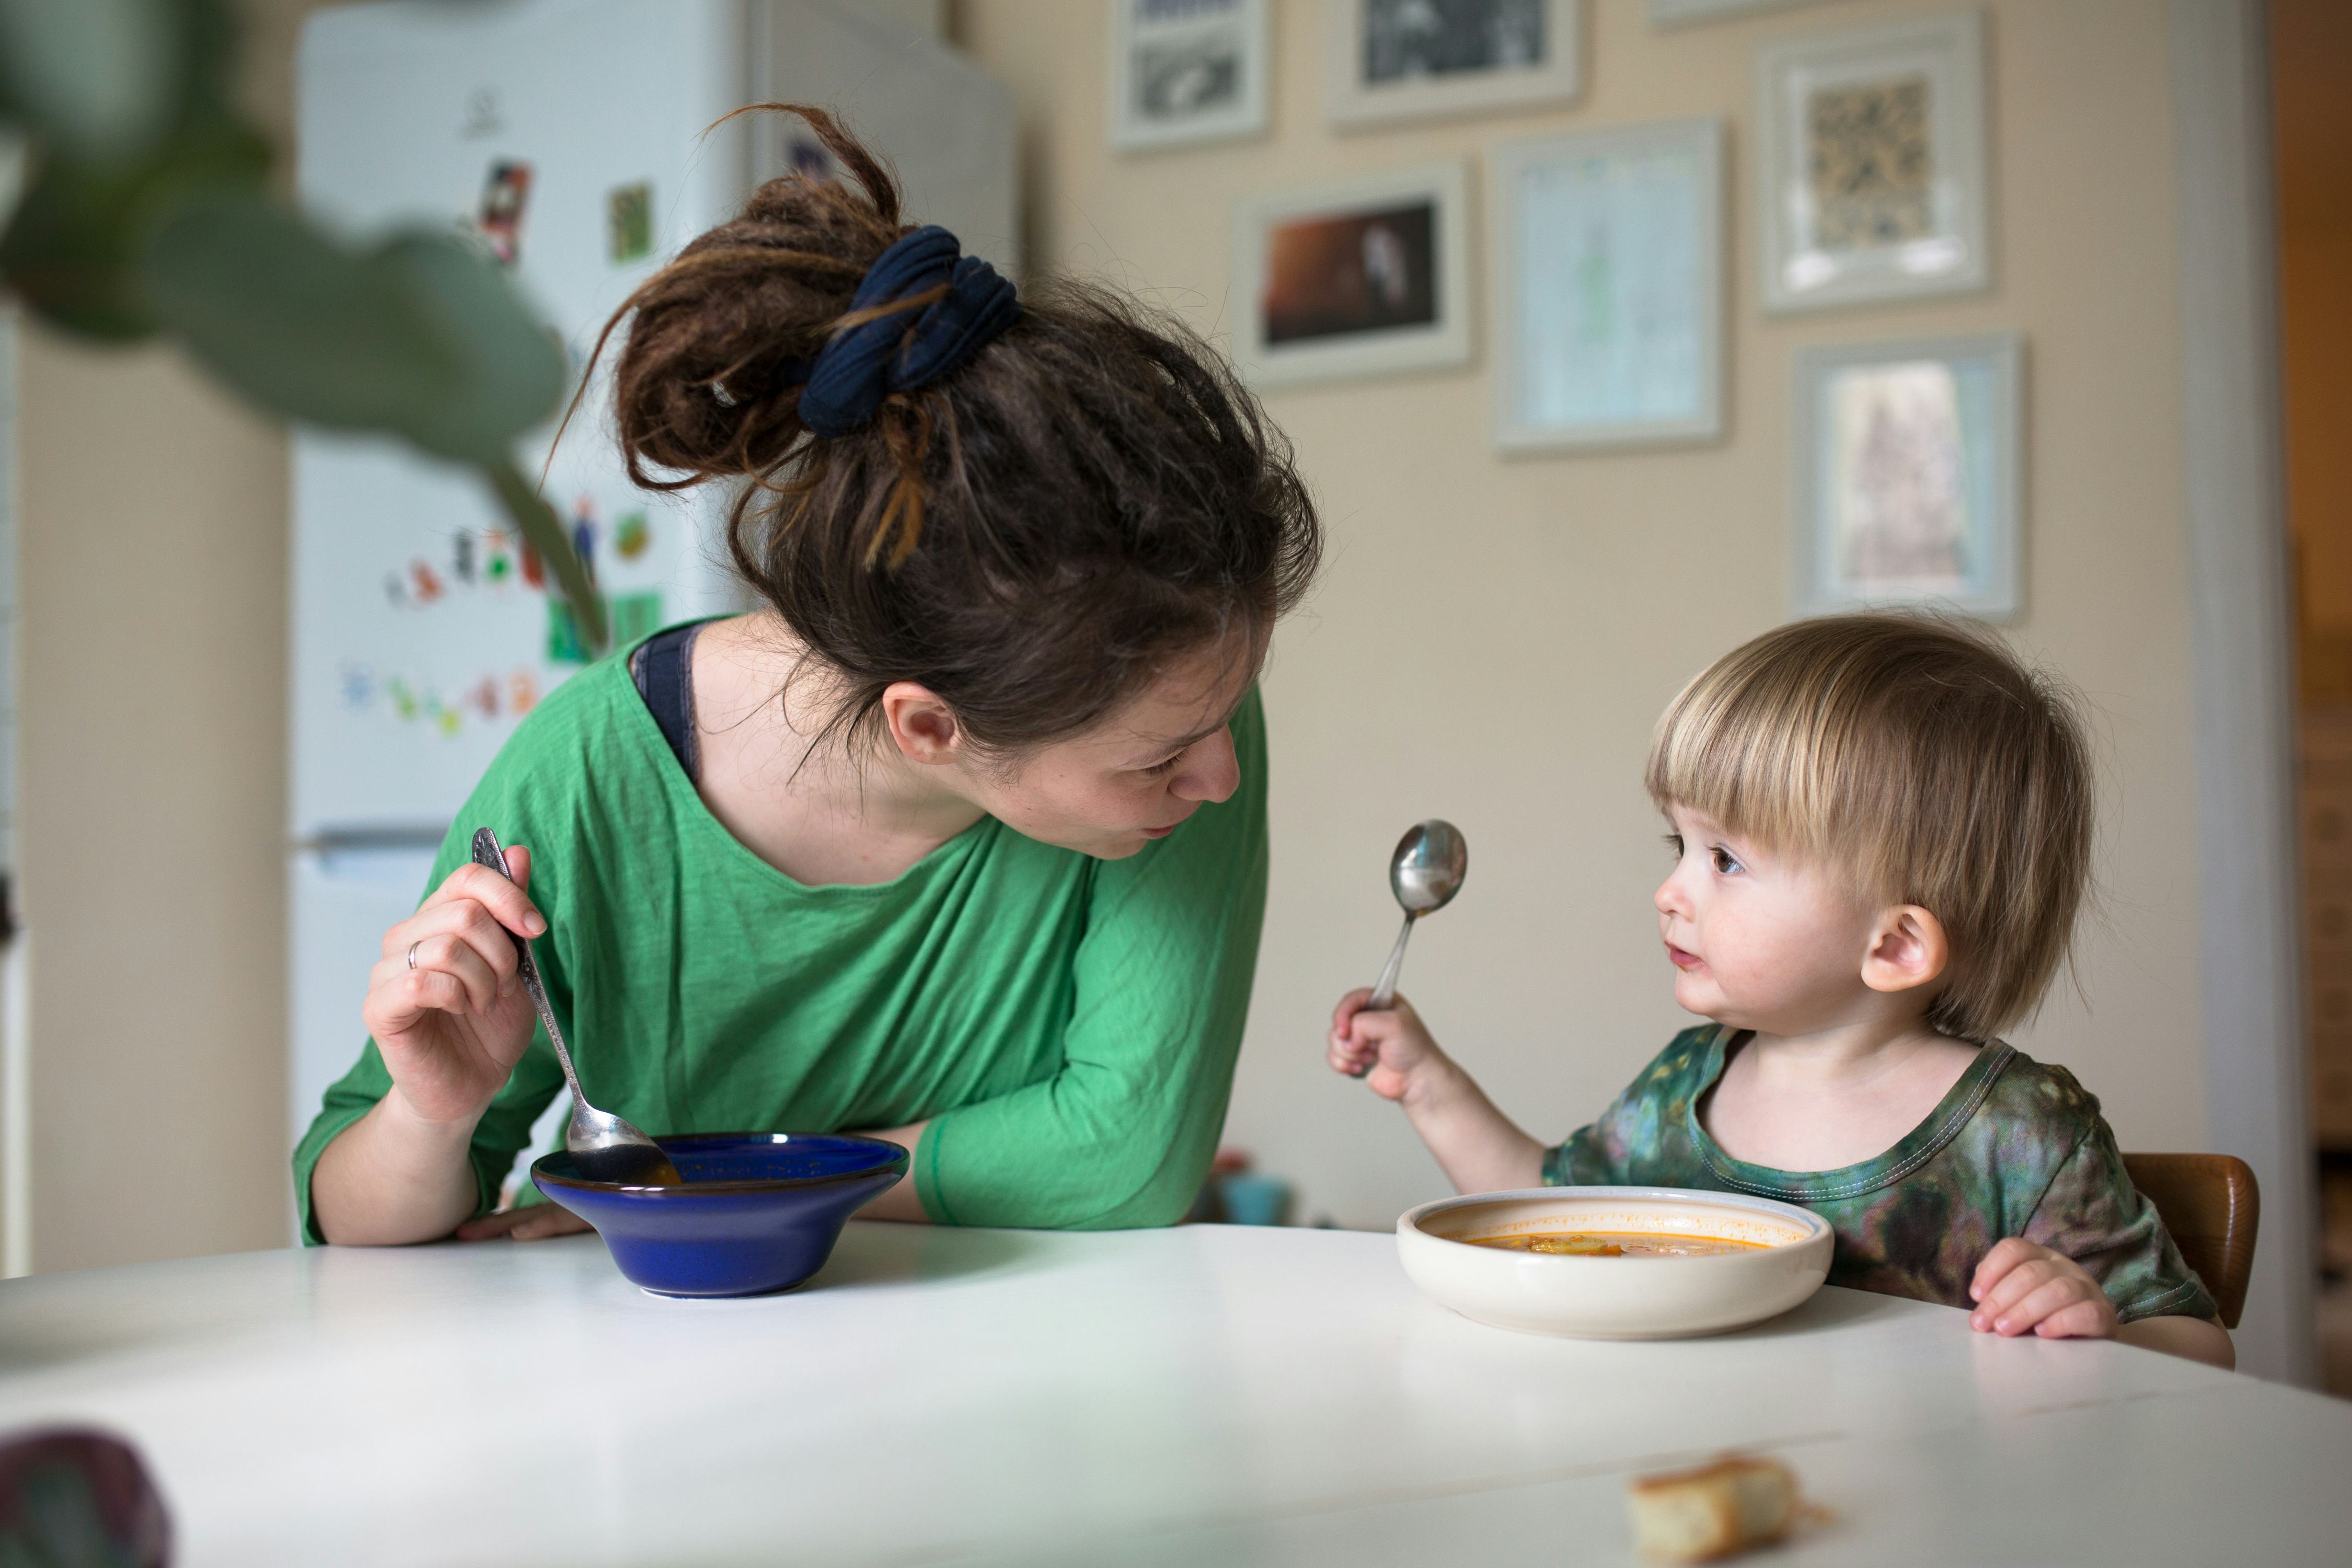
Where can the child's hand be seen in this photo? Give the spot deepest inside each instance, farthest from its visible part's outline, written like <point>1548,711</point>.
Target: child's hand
<point>1383,1049</point>
<point>2021,1286</point>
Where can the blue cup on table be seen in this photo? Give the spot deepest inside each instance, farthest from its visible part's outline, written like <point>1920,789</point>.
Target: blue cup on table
<point>758,1211</point>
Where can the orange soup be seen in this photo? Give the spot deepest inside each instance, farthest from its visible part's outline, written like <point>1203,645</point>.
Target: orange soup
<point>1616,1244</point>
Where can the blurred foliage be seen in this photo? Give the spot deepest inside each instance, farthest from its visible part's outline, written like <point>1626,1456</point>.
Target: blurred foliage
<point>145,210</point>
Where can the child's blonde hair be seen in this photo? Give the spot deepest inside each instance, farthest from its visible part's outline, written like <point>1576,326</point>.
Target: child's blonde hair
<point>1922,760</point>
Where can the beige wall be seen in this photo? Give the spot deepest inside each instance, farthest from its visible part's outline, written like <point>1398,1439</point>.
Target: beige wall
<point>152,559</point>
<point>1492,639</point>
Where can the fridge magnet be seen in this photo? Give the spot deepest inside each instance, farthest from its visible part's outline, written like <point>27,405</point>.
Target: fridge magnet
<point>629,223</point>
<point>424,585</point>
<point>1608,286</point>
<point>1873,161</point>
<point>522,693</point>
<point>631,536</point>
<point>356,686</point>
<point>1690,12</point>
<point>806,156</point>
<point>1367,278</point>
<point>396,591</point>
<point>1415,60</point>
<point>534,566</point>
<point>504,196</point>
<point>483,697</point>
<point>403,701</point>
<point>1186,71</point>
<point>1909,476</point>
<point>633,615</point>
<point>461,557</point>
<point>583,535</point>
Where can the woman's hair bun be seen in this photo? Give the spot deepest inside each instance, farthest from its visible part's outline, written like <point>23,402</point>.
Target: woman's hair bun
<point>1031,535</point>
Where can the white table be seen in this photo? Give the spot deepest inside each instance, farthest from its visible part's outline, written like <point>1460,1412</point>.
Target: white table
<point>1203,1394</point>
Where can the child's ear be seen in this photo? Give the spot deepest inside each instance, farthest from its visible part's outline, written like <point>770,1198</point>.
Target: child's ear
<point>1908,949</point>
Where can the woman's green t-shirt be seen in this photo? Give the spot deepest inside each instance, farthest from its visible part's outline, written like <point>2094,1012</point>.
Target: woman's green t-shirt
<point>1067,1024</point>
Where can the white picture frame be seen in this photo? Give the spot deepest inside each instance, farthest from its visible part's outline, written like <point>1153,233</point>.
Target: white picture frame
<point>1871,161</point>
<point>1393,60</point>
<point>1185,72</point>
<point>1909,466</point>
<point>1664,14</point>
<point>1606,250</point>
<point>1339,301</point>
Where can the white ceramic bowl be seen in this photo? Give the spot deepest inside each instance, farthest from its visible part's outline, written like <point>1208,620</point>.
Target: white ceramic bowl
<point>1629,1297</point>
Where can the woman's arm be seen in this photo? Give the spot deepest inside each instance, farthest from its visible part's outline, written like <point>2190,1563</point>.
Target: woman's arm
<point>449,1021</point>
<point>900,1202</point>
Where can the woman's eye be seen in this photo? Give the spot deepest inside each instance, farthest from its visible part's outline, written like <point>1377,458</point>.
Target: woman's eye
<point>1725,862</point>
<point>1162,770</point>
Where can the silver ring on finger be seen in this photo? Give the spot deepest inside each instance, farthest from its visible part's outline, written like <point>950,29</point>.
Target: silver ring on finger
<point>412,951</point>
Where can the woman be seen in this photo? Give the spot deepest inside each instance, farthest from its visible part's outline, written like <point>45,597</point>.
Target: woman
<point>960,838</point>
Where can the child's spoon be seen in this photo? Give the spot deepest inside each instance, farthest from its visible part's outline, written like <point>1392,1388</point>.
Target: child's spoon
<point>605,1147</point>
<point>1424,873</point>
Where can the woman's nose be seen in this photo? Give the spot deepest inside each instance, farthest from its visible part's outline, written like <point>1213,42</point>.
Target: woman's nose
<point>1211,772</point>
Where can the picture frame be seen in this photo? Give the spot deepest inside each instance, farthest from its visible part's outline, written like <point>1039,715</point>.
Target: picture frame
<point>1393,60</point>
<point>1365,277</point>
<point>1186,72</point>
<point>1606,250</point>
<point>1872,164</point>
<point>1909,468</point>
<point>1664,14</point>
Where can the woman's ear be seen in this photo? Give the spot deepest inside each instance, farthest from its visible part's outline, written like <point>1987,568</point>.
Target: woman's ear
<point>1907,950</point>
<point>924,728</point>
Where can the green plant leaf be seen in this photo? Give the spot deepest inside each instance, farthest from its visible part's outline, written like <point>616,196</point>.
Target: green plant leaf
<point>110,80</point>
<point>545,532</point>
<point>76,246</point>
<point>420,336</point>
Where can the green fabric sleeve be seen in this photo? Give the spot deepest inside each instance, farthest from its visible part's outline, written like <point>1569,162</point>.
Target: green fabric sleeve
<point>1123,1133</point>
<point>507,802</point>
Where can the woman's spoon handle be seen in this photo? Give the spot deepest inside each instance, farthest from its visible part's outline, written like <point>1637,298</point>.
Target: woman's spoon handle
<point>488,853</point>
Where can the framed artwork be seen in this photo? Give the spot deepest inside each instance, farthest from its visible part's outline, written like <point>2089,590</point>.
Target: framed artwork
<point>1689,13</point>
<point>1910,476</point>
<point>1872,156</point>
<point>1415,60</point>
<point>1365,278</point>
<point>1607,250</point>
<point>1186,71</point>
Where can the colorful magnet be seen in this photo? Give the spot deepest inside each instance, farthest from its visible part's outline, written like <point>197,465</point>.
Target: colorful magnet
<point>583,535</point>
<point>424,582</point>
<point>633,615</point>
<point>629,222</point>
<point>395,590</point>
<point>505,195</point>
<point>357,686</point>
<point>631,536</point>
<point>522,691</point>
<point>534,569</point>
<point>461,558</point>
<point>563,644</point>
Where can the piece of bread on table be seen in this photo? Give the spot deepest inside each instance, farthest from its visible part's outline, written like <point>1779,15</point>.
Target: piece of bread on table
<point>1696,1515</point>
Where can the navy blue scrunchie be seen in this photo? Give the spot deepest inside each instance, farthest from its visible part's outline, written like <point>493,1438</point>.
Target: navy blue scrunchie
<point>862,365</point>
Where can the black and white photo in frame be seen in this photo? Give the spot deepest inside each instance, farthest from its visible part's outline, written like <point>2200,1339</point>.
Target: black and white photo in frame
<point>1187,71</point>
<point>1411,59</point>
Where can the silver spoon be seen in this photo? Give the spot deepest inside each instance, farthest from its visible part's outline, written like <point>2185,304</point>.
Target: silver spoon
<point>605,1147</point>
<point>1424,873</point>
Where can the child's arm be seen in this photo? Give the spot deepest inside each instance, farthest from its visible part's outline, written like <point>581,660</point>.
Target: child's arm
<point>2024,1287</point>
<point>1480,1149</point>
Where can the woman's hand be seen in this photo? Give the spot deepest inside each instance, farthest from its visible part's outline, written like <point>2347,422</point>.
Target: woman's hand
<point>532,1222</point>
<point>445,1004</point>
<point>1385,1048</point>
<point>2021,1286</point>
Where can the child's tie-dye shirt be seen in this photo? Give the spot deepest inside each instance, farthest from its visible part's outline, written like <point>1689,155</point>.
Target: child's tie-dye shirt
<point>2016,1148</point>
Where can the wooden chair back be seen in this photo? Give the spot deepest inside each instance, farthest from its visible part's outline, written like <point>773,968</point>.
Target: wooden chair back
<point>2210,1204</point>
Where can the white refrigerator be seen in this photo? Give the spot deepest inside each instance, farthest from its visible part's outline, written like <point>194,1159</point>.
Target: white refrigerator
<point>576,138</point>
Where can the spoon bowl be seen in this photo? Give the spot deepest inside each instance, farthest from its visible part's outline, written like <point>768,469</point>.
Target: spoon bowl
<point>1424,873</point>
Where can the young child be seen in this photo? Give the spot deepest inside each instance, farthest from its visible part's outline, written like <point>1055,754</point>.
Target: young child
<point>1881,828</point>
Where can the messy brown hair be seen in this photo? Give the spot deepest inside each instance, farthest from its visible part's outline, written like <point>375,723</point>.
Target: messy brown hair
<point>1032,536</point>
<point>1920,758</point>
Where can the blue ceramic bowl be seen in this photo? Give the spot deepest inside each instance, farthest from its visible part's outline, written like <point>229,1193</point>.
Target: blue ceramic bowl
<point>758,1211</point>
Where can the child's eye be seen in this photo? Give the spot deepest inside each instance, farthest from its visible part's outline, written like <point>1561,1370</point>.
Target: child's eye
<point>1725,860</point>
<point>1674,842</point>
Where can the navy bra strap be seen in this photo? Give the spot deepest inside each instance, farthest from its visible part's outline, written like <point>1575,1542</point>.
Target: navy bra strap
<point>663,668</point>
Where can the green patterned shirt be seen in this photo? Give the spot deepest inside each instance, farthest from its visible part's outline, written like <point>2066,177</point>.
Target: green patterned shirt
<point>2015,1148</point>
